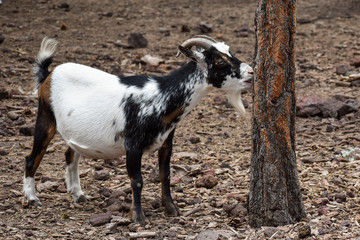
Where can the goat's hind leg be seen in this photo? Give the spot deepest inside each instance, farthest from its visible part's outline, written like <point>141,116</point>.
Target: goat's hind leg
<point>72,177</point>
<point>45,130</point>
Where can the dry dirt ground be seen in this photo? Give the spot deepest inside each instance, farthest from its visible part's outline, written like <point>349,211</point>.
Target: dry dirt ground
<point>212,140</point>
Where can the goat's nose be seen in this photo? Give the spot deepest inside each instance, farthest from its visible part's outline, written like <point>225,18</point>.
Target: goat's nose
<point>250,71</point>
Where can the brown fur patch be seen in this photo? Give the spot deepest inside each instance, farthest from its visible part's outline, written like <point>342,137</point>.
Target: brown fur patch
<point>169,118</point>
<point>44,90</point>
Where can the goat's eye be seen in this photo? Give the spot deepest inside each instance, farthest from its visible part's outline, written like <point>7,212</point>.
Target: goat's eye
<point>220,62</point>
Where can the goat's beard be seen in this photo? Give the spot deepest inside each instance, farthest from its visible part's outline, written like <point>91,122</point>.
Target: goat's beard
<point>236,101</point>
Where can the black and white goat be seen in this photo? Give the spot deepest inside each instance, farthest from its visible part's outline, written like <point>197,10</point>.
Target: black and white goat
<point>100,115</point>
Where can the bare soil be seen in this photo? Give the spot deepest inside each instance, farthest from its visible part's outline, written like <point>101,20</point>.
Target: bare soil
<point>213,139</point>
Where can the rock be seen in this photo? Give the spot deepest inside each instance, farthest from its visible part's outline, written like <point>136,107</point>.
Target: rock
<point>27,129</point>
<point>342,69</point>
<point>274,233</point>
<point>65,6</point>
<point>104,192</point>
<point>117,193</point>
<point>152,61</point>
<point>3,152</point>
<point>207,181</point>
<point>205,27</point>
<point>335,108</point>
<point>102,175</point>
<point>194,140</point>
<point>235,210</point>
<point>4,94</point>
<point>304,231</point>
<point>355,62</point>
<point>322,201</point>
<point>340,197</point>
<point>29,233</point>
<point>13,115</point>
<point>350,194</point>
<point>120,220</point>
<point>208,235</point>
<point>308,106</point>
<point>2,38</point>
<point>323,211</point>
<point>47,186</point>
<point>137,40</point>
<point>100,219</point>
<point>185,28</point>
<point>116,206</point>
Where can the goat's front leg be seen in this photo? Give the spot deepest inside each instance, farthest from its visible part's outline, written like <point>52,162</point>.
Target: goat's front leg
<point>164,171</point>
<point>133,166</point>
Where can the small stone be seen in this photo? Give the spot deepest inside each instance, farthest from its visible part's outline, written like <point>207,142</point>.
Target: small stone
<point>323,211</point>
<point>47,186</point>
<point>304,231</point>
<point>322,201</point>
<point>206,181</point>
<point>355,62</point>
<point>13,115</point>
<point>185,28</point>
<point>137,40</point>
<point>102,175</point>
<point>238,211</point>
<point>2,38</point>
<point>205,27</point>
<point>100,219</point>
<point>342,69</point>
<point>340,197</point>
<point>3,152</point>
<point>151,60</point>
<point>104,192</point>
<point>29,233</point>
<point>28,129</point>
<point>194,140</point>
<point>121,220</point>
<point>208,235</point>
<point>65,6</point>
<point>329,128</point>
<point>117,193</point>
<point>350,194</point>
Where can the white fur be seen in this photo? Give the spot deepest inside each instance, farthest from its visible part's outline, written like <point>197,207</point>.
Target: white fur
<point>29,189</point>
<point>222,47</point>
<point>72,178</point>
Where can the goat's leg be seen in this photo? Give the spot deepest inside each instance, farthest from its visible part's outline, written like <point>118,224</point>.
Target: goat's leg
<point>72,178</point>
<point>133,166</point>
<point>164,170</point>
<point>45,129</point>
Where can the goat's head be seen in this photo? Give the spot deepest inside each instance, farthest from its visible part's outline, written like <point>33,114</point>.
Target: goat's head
<point>224,71</point>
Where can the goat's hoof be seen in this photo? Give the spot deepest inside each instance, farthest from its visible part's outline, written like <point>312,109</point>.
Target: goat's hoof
<point>81,199</point>
<point>171,210</point>
<point>139,218</point>
<point>34,202</point>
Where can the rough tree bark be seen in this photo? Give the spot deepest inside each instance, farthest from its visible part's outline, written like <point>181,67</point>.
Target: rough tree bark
<point>275,196</point>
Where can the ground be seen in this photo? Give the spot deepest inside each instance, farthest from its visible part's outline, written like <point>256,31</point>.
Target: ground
<point>213,140</point>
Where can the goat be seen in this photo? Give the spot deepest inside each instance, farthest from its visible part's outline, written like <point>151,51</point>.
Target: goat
<point>100,115</point>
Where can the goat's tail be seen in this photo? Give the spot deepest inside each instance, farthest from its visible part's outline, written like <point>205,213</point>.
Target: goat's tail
<point>44,59</point>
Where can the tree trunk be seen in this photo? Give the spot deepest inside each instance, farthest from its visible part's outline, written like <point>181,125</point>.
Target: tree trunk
<point>275,196</point>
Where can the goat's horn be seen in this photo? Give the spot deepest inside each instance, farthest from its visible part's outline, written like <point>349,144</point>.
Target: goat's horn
<point>205,37</point>
<point>197,41</point>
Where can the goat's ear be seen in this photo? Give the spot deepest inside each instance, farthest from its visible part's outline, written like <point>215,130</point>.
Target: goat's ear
<point>188,53</point>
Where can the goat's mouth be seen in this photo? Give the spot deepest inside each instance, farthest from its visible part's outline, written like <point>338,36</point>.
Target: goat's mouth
<point>248,81</point>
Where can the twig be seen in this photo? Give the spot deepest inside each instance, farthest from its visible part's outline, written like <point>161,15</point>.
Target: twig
<point>194,210</point>
<point>142,235</point>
